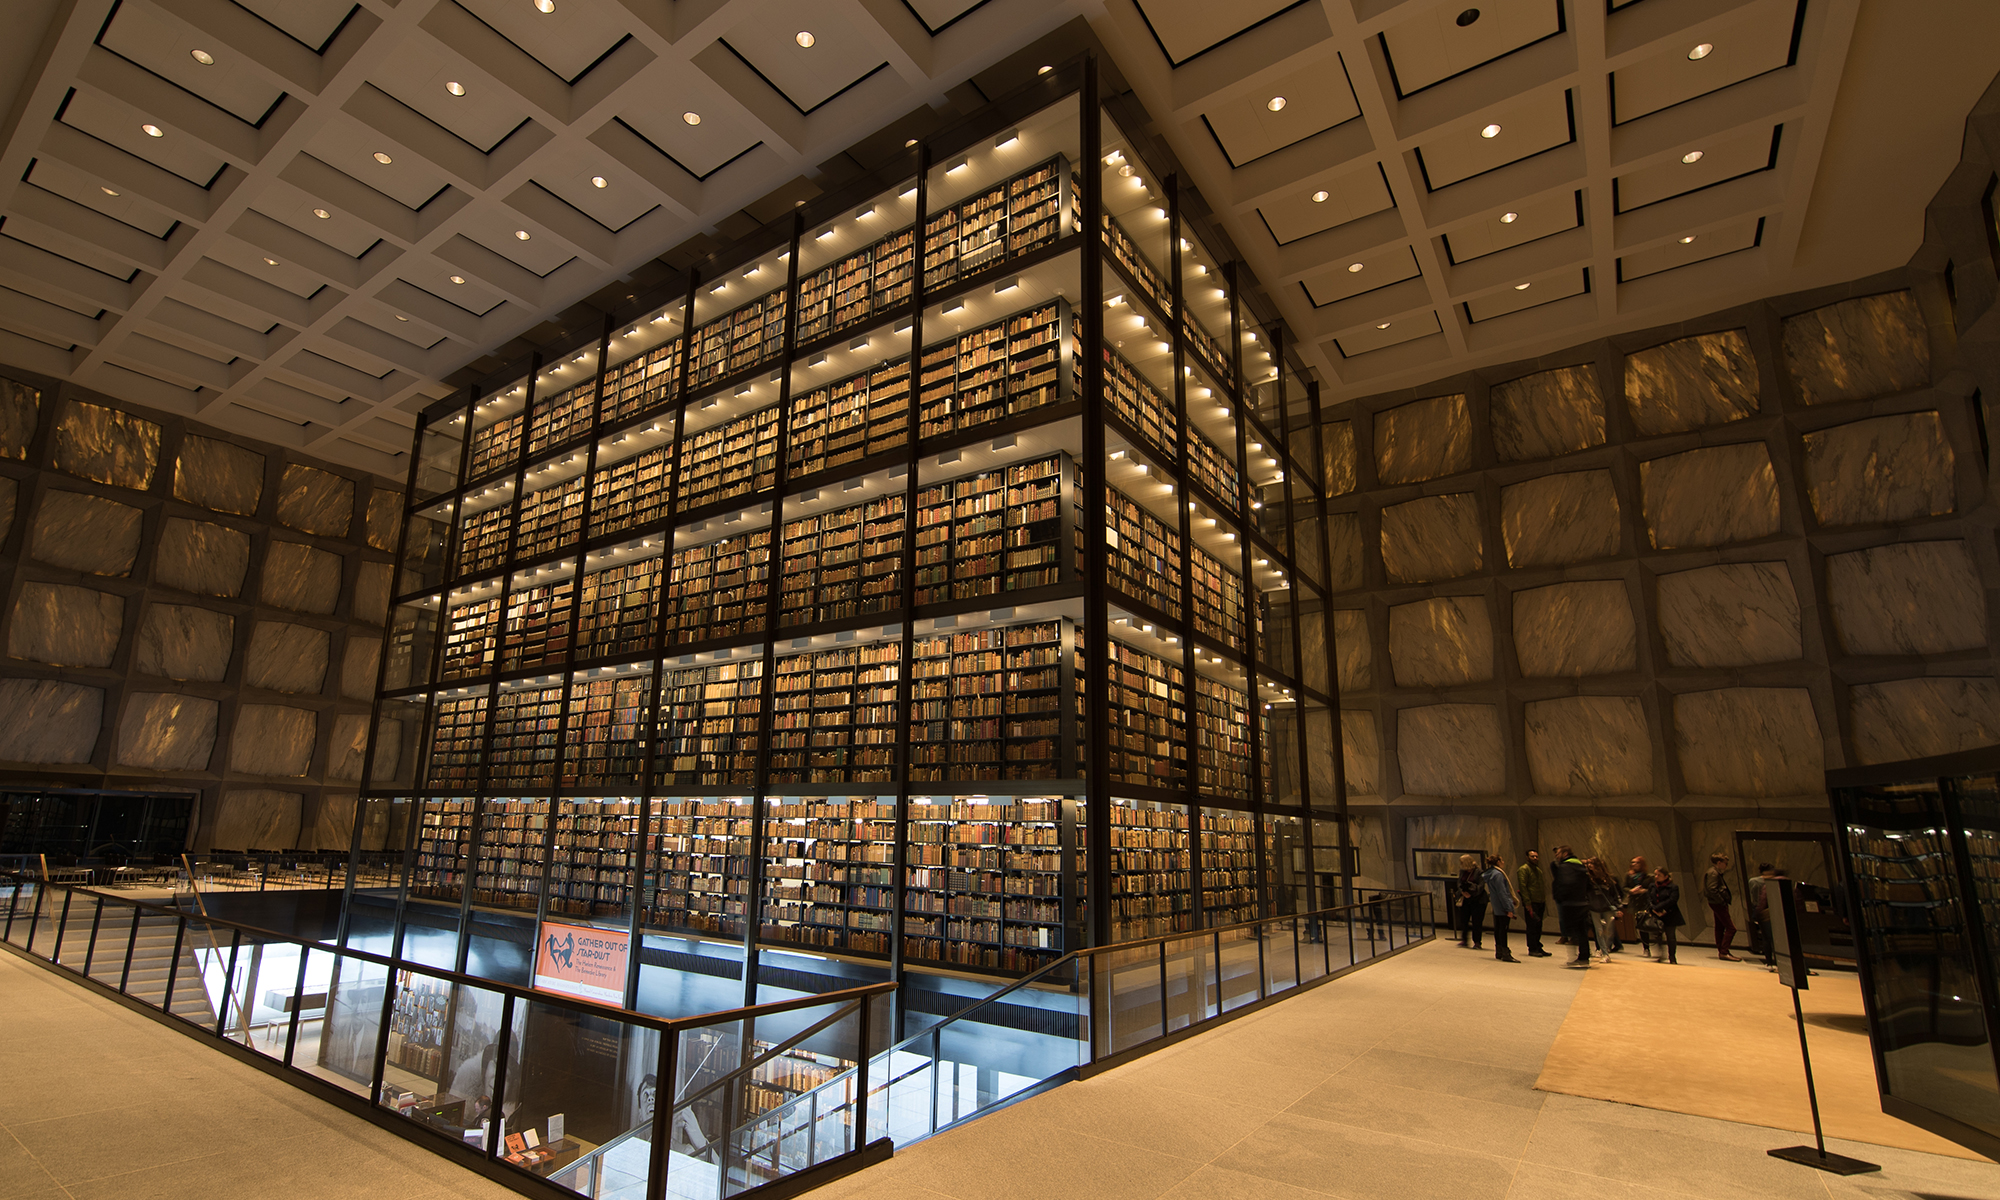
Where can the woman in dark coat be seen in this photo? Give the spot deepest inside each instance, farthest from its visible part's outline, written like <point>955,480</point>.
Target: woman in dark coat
<point>1665,904</point>
<point>1471,903</point>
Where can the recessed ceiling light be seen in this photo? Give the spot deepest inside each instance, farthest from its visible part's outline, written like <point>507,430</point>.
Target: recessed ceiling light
<point>692,118</point>
<point>1044,70</point>
<point>153,131</point>
<point>269,261</point>
<point>1275,104</point>
<point>547,6</point>
<point>107,191</point>
<point>1509,218</point>
<point>458,279</point>
<point>1353,267</point>
<point>805,39</point>
<point>1522,287</point>
<point>401,317</point>
<point>1467,17</point>
<point>909,143</point>
<point>321,213</point>
<point>1383,325</point>
<point>521,234</point>
<point>1702,51</point>
<point>1490,131</point>
<point>598,181</point>
<point>455,88</point>
<point>1319,197</point>
<point>1692,156</point>
<point>382,158</point>
<point>1687,239</point>
<point>203,57</point>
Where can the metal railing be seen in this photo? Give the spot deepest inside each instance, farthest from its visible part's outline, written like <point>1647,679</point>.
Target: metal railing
<point>533,1089</point>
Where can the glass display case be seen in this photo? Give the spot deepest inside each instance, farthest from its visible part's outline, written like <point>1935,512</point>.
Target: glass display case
<point>1920,841</point>
<point>912,583</point>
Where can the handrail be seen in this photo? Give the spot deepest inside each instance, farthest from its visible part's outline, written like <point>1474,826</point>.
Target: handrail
<point>660,1024</point>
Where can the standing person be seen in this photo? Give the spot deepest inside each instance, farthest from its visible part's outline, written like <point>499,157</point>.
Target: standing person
<point>1533,889</point>
<point>1638,886</point>
<point>1715,890</point>
<point>1605,898</point>
<point>1569,887</point>
<point>1664,903</point>
<point>1472,902</point>
<point>1500,895</point>
<point>1760,912</point>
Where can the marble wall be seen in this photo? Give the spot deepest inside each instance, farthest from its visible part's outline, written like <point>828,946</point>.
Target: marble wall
<point>1649,590</point>
<point>190,609</point>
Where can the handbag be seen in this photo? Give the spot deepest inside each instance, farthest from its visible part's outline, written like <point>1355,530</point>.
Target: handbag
<point>1649,922</point>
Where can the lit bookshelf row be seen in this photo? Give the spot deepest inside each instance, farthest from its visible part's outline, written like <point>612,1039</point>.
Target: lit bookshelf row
<point>927,561</point>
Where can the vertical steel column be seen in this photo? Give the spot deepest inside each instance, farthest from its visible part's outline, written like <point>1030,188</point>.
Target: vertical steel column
<point>1183,506</point>
<point>1252,599</point>
<point>1097,782</point>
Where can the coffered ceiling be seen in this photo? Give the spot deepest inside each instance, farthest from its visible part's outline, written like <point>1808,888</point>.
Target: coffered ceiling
<point>297,218</point>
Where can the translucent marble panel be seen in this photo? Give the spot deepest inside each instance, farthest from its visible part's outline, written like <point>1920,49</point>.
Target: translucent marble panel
<point>1560,519</point>
<point>1730,615</point>
<point>1451,750</point>
<point>9,501</point>
<point>1710,497</point>
<point>1567,630</point>
<point>300,578</point>
<point>316,501</point>
<point>1616,840</point>
<point>1916,718</point>
<point>1858,349</point>
<point>1432,538</point>
<point>163,731</point>
<point>1749,742</point>
<point>1344,572</point>
<point>385,518</point>
<point>332,824</point>
<point>272,739</point>
<point>286,658</point>
<point>1710,379</point>
<point>65,626</point>
<point>180,641</point>
<point>219,475</point>
<point>1441,642</point>
<point>1547,413</point>
<point>346,746</point>
<point>201,557</point>
<point>1361,752</point>
<point>105,445</point>
<point>357,667</point>
<point>1481,835</point>
<point>1893,468</point>
<point>256,819</point>
<point>86,533</point>
<point>1424,439</point>
<point>1338,447</point>
<point>49,721</point>
<point>1908,598</point>
<point>20,412</point>
<point>1589,746</point>
<point>1354,654</point>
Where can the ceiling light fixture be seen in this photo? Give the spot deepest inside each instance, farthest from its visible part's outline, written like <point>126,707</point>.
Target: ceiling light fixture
<point>1692,156</point>
<point>107,191</point>
<point>1383,325</point>
<point>203,57</point>
<point>401,317</point>
<point>805,39</point>
<point>458,279</point>
<point>1044,70</point>
<point>521,234</point>
<point>322,214</point>
<point>269,261</point>
<point>547,6</point>
<point>1353,267</point>
<point>1275,104</point>
<point>1522,287</point>
<point>1491,131</point>
<point>1687,239</point>
<point>1467,17</point>
<point>599,181</point>
<point>455,88</point>
<point>1319,197</point>
<point>1702,51</point>
<point>153,131</point>
<point>692,118</point>
<point>382,158</point>
<point>1509,218</point>
<point>909,142</point>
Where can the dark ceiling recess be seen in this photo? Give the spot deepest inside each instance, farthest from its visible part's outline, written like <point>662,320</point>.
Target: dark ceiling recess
<point>1467,17</point>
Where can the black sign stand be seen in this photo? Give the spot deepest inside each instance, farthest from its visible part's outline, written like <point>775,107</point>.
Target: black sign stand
<point>1793,974</point>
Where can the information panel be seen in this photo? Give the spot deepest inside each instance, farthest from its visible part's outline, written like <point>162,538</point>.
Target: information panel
<point>583,960</point>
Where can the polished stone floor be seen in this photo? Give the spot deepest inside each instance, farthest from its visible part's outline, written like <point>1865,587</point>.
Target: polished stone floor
<point>1409,1080</point>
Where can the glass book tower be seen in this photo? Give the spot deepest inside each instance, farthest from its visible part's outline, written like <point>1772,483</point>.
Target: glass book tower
<point>935,581</point>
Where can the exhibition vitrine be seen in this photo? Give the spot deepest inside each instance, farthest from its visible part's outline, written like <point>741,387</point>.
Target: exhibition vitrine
<point>936,579</point>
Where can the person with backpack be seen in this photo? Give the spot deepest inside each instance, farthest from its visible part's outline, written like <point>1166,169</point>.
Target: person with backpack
<point>1715,890</point>
<point>1569,887</point>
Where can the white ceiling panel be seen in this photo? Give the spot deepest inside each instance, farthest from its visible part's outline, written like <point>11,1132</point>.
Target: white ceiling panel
<point>1525,222</point>
<point>1522,128</point>
<point>769,38</point>
<point>1186,28</point>
<point>566,40</point>
<point>1451,38</point>
<point>1720,159</point>
<point>1307,101</point>
<point>1322,204</point>
<point>309,21</point>
<point>1742,45</point>
<point>109,119</point>
<point>166,46</point>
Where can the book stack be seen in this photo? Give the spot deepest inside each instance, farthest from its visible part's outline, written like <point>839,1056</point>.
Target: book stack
<point>1215,471</point>
<point>513,841</point>
<point>496,448</point>
<point>999,370</point>
<point>983,885</point>
<point>843,563</point>
<point>988,704</point>
<point>458,734</point>
<point>641,385</point>
<point>1148,710</point>
<point>444,837</point>
<point>551,520</point>
<point>739,340</point>
<point>1228,866</point>
<point>617,609</point>
<point>834,715</point>
<point>998,531</point>
<point>717,589</point>
<point>538,622</point>
<point>594,853</point>
<point>1150,867</point>
<point>471,635</point>
<point>527,732</point>
<point>632,492</point>
<point>604,743</point>
<point>828,873</point>
<point>482,541</point>
<point>1143,554</point>
<point>1007,219</point>
<point>708,725</point>
<point>700,856</point>
<point>562,418</point>
<point>1126,254</point>
<point>1222,739</point>
<point>849,421</point>
<point>737,458</point>
<point>1140,405</point>
<point>1218,599</point>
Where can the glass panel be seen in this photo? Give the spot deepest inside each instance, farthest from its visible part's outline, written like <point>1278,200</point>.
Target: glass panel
<point>565,401</point>
<point>699,854</point>
<point>1238,970</point>
<point>858,266</point>
<point>1260,369</point>
<point>1134,1012</point>
<point>113,942</point>
<point>71,944</point>
<point>739,315</point>
<point>444,1045</point>
<point>1228,866</point>
<point>201,972</point>
<point>1205,293</point>
<point>1280,744</point>
<point>1281,954</point>
<point>426,548</point>
<point>1286,877</point>
<point>1148,708</point>
<point>262,996</point>
<point>412,639</point>
<point>984,882</point>
<point>586,1085</point>
<point>1150,868</point>
<point>645,372</point>
<point>1136,230</point>
<point>339,1014</point>
<point>513,844</point>
<point>1190,968</point>
<point>794,1108</point>
<point>438,456</point>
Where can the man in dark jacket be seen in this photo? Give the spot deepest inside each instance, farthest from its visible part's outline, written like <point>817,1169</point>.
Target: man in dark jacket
<point>1500,895</point>
<point>1569,887</point>
<point>1715,890</point>
<point>1533,888</point>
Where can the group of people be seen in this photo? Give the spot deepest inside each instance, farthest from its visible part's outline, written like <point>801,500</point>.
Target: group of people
<point>1590,902</point>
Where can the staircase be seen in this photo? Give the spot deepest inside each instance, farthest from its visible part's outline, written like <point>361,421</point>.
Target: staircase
<point>152,953</point>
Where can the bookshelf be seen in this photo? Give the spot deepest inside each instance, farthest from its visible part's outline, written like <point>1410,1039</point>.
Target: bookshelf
<point>770,563</point>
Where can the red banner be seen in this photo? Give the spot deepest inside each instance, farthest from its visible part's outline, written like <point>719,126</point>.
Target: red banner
<point>583,960</point>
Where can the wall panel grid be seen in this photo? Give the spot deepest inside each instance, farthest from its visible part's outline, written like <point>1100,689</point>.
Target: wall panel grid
<point>972,659</point>
<point>188,609</point>
<point>1692,566</point>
